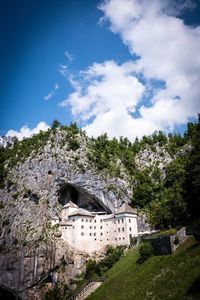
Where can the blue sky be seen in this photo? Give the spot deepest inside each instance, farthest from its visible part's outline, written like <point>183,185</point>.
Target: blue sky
<point>59,60</point>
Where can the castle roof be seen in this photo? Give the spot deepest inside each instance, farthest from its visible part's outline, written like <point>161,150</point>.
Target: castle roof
<point>81,212</point>
<point>70,204</point>
<point>125,208</point>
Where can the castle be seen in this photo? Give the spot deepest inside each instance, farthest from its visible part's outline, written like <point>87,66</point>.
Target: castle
<point>92,231</point>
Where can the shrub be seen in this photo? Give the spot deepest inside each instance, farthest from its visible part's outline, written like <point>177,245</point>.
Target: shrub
<point>145,251</point>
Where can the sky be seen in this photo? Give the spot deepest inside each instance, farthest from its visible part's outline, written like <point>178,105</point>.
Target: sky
<point>125,67</point>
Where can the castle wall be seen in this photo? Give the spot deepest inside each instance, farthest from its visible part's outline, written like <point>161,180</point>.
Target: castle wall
<point>92,233</point>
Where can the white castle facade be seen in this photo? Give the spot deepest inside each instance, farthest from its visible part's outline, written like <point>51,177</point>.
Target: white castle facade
<point>92,231</point>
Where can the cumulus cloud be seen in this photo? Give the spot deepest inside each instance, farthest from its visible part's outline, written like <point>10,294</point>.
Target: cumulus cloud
<point>168,50</point>
<point>26,132</point>
<point>107,93</point>
<point>157,91</point>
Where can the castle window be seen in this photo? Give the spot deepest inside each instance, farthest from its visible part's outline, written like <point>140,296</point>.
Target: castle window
<point>94,227</point>
<point>73,227</point>
<point>129,220</point>
<point>95,234</point>
<point>86,220</point>
<point>118,221</point>
<point>95,239</point>
<point>73,220</point>
<point>122,228</point>
<point>101,227</point>
<point>90,221</point>
<point>119,238</point>
<point>82,226</point>
<point>101,233</point>
<point>101,220</point>
<point>82,233</point>
<point>118,229</point>
<point>95,221</point>
<point>82,220</point>
<point>107,239</point>
<point>90,227</point>
<point>123,238</point>
<point>129,228</point>
<point>90,233</point>
<point>122,220</point>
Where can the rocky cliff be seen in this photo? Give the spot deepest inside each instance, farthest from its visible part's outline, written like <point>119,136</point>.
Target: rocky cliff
<point>35,188</point>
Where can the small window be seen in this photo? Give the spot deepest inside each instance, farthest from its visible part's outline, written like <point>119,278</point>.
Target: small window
<point>122,228</point>
<point>82,220</point>
<point>73,220</point>
<point>119,238</point>
<point>115,239</point>
<point>101,233</point>
<point>82,226</point>
<point>123,238</point>
<point>107,224</point>
<point>82,233</point>
<point>101,227</point>
<point>90,233</point>
<point>129,220</point>
<point>95,239</point>
<point>90,227</point>
<point>94,227</point>
<point>90,221</point>
<point>86,220</point>
<point>95,221</point>
<point>101,221</point>
<point>95,234</point>
<point>118,221</point>
<point>129,228</point>
<point>73,227</point>
<point>118,229</point>
<point>122,220</point>
<point>107,239</point>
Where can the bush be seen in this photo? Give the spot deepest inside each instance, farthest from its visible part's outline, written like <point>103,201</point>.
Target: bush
<point>145,251</point>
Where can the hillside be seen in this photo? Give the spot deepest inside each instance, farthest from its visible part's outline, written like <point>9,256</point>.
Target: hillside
<point>175,276</point>
<point>158,175</point>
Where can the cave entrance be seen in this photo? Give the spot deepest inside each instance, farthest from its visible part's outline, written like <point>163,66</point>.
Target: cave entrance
<point>7,295</point>
<point>80,197</point>
<point>68,193</point>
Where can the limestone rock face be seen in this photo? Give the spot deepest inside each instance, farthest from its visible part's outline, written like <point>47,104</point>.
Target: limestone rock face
<point>155,156</point>
<point>30,247</point>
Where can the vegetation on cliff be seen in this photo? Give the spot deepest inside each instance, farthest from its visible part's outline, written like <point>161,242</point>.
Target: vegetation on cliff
<point>169,195</point>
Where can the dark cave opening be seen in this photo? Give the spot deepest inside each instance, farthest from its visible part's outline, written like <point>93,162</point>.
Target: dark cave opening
<point>68,193</point>
<point>7,295</point>
<point>80,197</point>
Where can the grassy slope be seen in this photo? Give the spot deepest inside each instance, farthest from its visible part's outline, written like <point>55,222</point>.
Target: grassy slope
<point>161,277</point>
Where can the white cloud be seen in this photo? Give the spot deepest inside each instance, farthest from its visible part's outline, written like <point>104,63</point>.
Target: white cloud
<point>69,56</point>
<point>108,93</point>
<point>168,51</point>
<point>26,132</point>
<point>52,92</point>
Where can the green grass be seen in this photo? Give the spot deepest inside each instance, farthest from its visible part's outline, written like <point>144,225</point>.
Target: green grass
<point>175,276</point>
